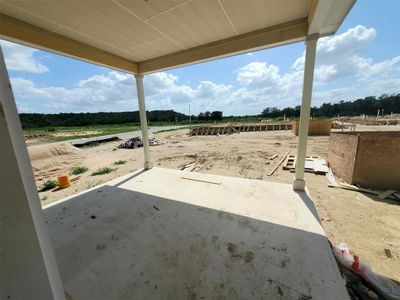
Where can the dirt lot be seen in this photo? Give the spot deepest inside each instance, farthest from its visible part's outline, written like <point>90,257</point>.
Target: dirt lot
<point>367,224</point>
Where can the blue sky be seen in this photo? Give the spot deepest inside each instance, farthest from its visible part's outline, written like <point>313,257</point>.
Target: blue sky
<point>362,59</point>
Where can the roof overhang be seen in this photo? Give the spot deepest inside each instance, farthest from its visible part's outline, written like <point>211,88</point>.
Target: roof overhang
<point>149,36</point>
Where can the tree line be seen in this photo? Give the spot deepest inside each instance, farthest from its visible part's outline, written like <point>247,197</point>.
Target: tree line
<point>36,120</point>
<point>387,104</point>
<point>368,105</point>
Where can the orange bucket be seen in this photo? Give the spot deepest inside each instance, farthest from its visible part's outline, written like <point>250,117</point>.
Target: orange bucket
<point>63,181</point>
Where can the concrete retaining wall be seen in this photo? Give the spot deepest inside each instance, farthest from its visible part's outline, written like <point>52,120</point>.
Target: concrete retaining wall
<point>368,159</point>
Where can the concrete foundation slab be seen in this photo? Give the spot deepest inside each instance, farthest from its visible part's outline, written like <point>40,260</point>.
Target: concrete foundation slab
<point>168,234</point>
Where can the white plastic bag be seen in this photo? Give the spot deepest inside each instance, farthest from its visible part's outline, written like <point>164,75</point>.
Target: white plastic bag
<point>384,285</point>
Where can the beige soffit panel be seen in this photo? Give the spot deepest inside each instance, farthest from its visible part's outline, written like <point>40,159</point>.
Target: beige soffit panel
<point>326,16</point>
<point>27,34</point>
<point>102,20</point>
<point>194,23</point>
<point>96,43</point>
<point>251,15</point>
<point>337,13</point>
<point>148,9</point>
<point>260,39</point>
<point>20,14</point>
<point>159,47</point>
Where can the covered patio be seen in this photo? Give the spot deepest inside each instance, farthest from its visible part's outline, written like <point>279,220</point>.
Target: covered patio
<point>168,234</point>
<point>159,233</point>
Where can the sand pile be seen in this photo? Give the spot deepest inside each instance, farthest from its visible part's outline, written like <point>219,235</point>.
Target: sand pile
<point>47,151</point>
<point>51,160</point>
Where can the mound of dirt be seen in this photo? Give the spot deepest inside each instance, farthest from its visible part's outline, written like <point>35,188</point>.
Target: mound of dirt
<point>48,151</point>
<point>52,160</point>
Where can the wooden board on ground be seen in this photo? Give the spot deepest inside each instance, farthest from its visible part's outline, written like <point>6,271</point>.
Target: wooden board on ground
<point>385,194</point>
<point>278,164</point>
<point>350,187</point>
<point>290,162</point>
<point>201,180</point>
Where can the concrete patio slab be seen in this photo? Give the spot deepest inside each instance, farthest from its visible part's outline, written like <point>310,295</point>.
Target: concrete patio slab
<point>168,234</point>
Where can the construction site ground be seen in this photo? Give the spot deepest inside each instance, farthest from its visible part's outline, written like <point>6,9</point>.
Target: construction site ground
<point>366,223</point>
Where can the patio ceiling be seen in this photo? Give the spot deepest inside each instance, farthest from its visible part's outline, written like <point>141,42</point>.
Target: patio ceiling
<point>151,35</point>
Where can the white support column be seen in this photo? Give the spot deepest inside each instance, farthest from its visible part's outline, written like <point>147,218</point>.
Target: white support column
<point>311,45</point>
<point>28,267</point>
<point>143,122</point>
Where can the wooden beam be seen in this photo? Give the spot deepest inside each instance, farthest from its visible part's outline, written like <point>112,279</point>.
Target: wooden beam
<point>30,35</point>
<point>281,34</point>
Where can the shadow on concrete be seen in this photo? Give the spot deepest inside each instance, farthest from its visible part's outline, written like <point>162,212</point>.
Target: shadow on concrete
<point>309,203</point>
<point>135,174</point>
<point>114,243</point>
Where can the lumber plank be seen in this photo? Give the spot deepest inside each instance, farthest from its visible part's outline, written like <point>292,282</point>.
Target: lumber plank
<point>385,194</point>
<point>278,164</point>
<point>201,180</point>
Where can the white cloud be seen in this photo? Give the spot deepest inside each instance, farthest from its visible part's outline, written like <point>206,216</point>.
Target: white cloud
<point>258,74</point>
<point>22,59</point>
<point>117,92</point>
<point>113,91</point>
<point>25,108</point>
<point>340,56</point>
<point>258,84</point>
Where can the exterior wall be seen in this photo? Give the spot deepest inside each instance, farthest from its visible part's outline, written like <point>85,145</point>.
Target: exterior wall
<point>378,161</point>
<point>368,159</point>
<point>316,127</point>
<point>342,155</point>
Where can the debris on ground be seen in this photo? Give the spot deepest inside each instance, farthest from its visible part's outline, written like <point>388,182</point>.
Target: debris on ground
<point>132,143</point>
<point>331,177</point>
<point>326,219</point>
<point>155,142</point>
<point>190,167</point>
<point>201,180</point>
<point>388,253</point>
<point>369,281</point>
<point>389,194</point>
<point>136,142</point>
<point>312,164</point>
<point>279,163</point>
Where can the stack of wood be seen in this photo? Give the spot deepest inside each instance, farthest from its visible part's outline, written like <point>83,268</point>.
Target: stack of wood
<point>312,164</point>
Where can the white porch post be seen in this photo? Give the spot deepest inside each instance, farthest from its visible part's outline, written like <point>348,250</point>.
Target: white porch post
<point>143,122</point>
<point>28,267</point>
<point>311,45</point>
